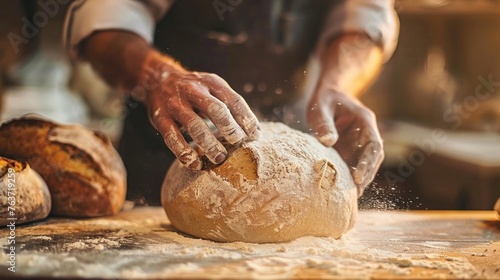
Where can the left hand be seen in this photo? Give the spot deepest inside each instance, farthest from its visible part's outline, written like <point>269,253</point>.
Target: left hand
<point>342,121</point>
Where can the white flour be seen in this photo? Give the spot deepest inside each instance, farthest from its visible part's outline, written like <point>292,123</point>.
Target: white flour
<point>300,188</point>
<point>164,253</point>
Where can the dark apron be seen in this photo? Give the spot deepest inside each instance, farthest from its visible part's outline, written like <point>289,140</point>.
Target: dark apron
<point>259,47</point>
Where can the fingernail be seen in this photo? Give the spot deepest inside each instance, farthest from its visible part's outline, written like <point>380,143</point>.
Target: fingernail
<point>328,139</point>
<point>361,190</point>
<point>196,165</point>
<point>358,176</point>
<point>220,158</point>
<point>237,136</point>
<point>256,134</point>
<point>359,180</point>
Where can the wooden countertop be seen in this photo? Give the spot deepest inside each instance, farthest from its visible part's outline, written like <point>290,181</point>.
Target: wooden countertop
<point>141,243</point>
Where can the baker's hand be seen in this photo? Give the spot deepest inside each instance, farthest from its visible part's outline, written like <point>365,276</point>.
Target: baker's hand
<point>341,121</point>
<point>181,98</point>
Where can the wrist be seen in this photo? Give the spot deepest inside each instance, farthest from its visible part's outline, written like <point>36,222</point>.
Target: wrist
<point>327,83</point>
<point>330,88</point>
<point>156,68</point>
<point>351,63</point>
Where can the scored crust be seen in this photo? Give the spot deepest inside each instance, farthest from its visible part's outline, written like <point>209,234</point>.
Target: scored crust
<point>280,187</point>
<point>85,175</point>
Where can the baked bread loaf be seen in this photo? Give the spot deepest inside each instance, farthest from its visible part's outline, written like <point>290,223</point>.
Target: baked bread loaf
<point>280,187</point>
<point>85,175</point>
<point>23,193</point>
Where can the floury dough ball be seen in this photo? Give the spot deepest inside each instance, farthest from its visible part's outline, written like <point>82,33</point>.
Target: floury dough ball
<point>281,187</point>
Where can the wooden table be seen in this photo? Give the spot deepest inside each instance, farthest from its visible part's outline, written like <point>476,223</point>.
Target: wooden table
<point>140,243</point>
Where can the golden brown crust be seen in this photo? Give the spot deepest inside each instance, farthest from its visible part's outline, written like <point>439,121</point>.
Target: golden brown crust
<point>241,162</point>
<point>85,174</point>
<point>24,196</point>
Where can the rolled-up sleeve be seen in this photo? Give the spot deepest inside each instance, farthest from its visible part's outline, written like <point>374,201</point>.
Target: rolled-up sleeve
<point>85,17</point>
<point>376,18</point>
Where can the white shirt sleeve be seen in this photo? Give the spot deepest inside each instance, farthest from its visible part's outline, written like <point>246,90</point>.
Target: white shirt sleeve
<point>85,17</point>
<point>376,18</point>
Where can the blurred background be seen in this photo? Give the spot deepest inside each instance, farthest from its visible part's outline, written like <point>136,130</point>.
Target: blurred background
<point>437,99</point>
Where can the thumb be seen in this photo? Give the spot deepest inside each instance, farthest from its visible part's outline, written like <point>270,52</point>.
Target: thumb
<point>321,120</point>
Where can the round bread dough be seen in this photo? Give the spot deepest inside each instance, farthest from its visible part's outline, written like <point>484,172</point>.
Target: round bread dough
<point>283,186</point>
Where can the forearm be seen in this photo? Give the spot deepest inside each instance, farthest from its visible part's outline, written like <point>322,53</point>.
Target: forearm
<point>121,58</point>
<point>350,63</point>
<point>127,62</point>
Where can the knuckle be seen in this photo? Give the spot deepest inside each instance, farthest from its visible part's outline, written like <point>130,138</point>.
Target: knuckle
<point>218,110</point>
<point>187,156</point>
<point>175,106</point>
<point>212,77</point>
<point>321,114</point>
<point>184,153</point>
<point>196,128</point>
<point>236,102</point>
<point>187,86</point>
<point>155,114</point>
<point>252,123</point>
<point>158,118</point>
<point>213,150</point>
<point>196,75</point>
<point>374,150</point>
<point>171,140</point>
<point>203,137</point>
<point>367,114</point>
<point>377,146</point>
<point>373,135</point>
<point>314,117</point>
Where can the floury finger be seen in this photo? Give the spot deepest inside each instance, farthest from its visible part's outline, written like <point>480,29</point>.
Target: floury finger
<point>370,160</point>
<point>239,109</point>
<point>217,112</point>
<point>222,119</point>
<point>175,141</point>
<point>203,136</point>
<point>322,122</point>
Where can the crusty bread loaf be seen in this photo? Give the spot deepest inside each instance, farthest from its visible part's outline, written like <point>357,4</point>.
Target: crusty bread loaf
<point>85,175</point>
<point>24,196</point>
<point>280,187</point>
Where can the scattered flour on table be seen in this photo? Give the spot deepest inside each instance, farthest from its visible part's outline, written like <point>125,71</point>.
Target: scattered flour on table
<point>170,254</point>
<point>42,237</point>
<point>92,243</point>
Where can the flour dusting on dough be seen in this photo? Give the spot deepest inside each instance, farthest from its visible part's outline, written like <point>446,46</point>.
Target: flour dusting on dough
<point>302,188</point>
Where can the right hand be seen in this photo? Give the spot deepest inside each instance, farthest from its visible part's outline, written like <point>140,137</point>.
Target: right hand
<point>181,98</point>
<point>341,121</point>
